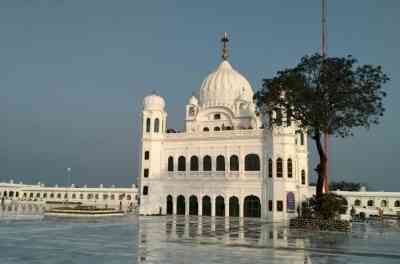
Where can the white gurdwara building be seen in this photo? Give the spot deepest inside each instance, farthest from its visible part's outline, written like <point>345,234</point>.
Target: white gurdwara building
<point>225,163</point>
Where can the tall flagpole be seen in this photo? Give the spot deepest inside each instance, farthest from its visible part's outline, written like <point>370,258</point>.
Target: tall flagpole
<point>323,54</point>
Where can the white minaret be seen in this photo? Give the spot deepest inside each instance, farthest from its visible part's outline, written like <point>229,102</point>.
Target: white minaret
<point>284,161</point>
<point>154,119</point>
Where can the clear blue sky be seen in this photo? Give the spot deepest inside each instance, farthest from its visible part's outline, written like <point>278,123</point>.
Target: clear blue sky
<point>73,74</point>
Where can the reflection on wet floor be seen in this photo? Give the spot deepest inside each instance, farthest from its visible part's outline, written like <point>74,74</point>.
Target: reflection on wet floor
<point>179,239</point>
<point>193,239</point>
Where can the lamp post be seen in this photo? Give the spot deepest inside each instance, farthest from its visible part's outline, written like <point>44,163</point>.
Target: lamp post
<point>68,181</point>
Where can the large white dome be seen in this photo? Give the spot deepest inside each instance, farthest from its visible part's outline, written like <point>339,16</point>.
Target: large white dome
<point>224,87</point>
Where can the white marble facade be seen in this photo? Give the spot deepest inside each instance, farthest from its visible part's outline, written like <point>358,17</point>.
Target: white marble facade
<point>112,197</point>
<point>224,163</point>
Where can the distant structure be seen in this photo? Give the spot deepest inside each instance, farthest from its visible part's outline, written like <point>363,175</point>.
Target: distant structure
<point>112,197</point>
<point>227,161</point>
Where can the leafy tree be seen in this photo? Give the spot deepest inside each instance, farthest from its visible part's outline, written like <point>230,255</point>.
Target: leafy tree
<point>328,207</point>
<point>325,96</point>
<point>344,186</point>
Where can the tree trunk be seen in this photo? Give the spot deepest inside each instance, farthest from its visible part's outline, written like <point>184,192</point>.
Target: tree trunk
<point>321,168</point>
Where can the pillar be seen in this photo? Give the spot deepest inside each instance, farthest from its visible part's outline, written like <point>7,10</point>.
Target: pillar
<point>241,207</point>
<point>174,205</point>
<point>227,206</point>
<point>200,204</point>
<point>187,205</point>
<point>212,205</point>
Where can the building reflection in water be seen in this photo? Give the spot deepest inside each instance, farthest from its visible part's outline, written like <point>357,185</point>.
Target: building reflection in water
<point>21,209</point>
<point>176,239</point>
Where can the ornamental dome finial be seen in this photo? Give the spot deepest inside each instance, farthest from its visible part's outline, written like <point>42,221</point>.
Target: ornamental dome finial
<point>225,41</point>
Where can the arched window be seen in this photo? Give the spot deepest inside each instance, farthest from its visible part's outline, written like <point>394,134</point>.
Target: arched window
<point>279,168</point>
<point>234,163</point>
<point>148,125</point>
<point>105,196</point>
<point>290,202</point>
<point>207,163</point>
<point>303,177</point>
<point>156,125</point>
<point>73,196</point>
<point>146,173</point>
<point>301,138</point>
<point>279,116</point>
<point>181,163</point>
<point>370,203</point>
<point>206,129</point>
<point>217,129</point>
<point>289,168</point>
<point>145,192</point>
<point>357,203</point>
<point>397,204</point>
<point>252,162</point>
<point>383,203</point>
<point>147,155</point>
<point>220,163</point>
<point>288,116</point>
<point>270,168</point>
<point>170,163</point>
<point>194,163</point>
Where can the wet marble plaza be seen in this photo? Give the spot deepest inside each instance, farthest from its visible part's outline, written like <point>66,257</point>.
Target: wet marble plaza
<point>27,237</point>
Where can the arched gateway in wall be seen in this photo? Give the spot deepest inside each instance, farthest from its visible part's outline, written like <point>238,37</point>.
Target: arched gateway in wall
<point>234,206</point>
<point>170,205</point>
<point>252,206</point>
<point>193,205</point>
<point>180,205</point>
<point>206,210</point>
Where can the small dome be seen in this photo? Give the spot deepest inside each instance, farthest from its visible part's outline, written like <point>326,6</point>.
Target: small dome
<point>153,102</point>
<point>225,86</point>
<point>193,100</point>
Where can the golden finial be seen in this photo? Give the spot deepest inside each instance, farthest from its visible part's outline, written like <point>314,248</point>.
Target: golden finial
<point>225,41</point>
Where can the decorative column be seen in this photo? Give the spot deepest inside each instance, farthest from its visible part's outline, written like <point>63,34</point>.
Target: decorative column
<point>187,205</point>
<point>241,207</point>
<point>212,205</point>
<point>200,205</point>
<point>174,205</point>
<point>227,206</point>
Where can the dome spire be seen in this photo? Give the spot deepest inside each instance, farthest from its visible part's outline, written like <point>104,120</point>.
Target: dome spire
<point>225,41</point>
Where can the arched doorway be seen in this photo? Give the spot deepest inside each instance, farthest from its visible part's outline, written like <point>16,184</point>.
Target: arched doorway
<point>219,206</point>
<point>170,205</point>
<point>252,206</point>
<point>193,205</point>
<point>180,205</point>
<point>234,206</point>
<point>206,206</point>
